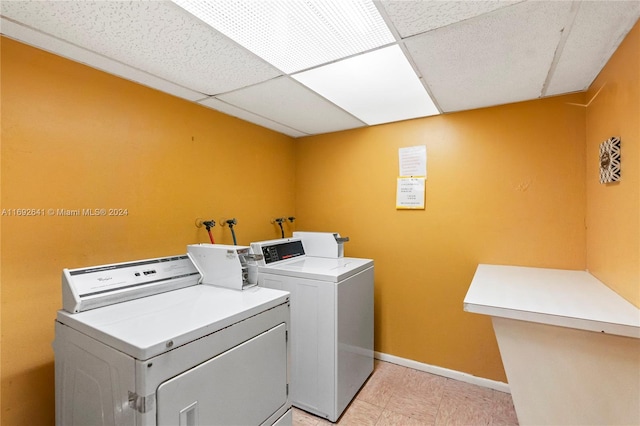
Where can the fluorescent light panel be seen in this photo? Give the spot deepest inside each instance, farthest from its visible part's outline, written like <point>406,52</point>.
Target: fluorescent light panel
<point>296,35</point>
<point>310,39</point>
<point>376,87</point>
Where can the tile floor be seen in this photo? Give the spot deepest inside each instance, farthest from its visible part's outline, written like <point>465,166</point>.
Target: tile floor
<point>396,395</point>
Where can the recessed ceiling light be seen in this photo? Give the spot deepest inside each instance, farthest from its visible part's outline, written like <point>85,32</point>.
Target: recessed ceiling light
<point>296,35</point>
<point>376,87</point>
<point>342,50</point>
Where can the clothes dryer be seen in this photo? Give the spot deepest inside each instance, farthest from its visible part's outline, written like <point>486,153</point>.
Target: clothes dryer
<point>331,322</point>
<point>145,343</point>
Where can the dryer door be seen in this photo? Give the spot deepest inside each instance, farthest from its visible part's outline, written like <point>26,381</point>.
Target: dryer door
<point>242,386</point>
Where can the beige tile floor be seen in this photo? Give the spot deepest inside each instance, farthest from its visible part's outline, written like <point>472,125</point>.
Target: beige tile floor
<point>396,395</point>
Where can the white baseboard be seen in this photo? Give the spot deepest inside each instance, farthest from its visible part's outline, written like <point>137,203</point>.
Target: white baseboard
<point>445,372</point>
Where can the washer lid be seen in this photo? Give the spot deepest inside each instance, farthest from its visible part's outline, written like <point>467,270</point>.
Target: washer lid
<point>147,327</point>
<point>319,268</point>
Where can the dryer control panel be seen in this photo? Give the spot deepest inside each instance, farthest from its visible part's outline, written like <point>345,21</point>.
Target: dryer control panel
<point>97,286</point>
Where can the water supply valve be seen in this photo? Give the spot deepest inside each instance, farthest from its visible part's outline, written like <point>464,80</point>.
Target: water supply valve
<point>208,224</point>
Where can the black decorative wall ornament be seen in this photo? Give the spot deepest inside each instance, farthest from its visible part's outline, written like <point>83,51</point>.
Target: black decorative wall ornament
<point>610,160</point>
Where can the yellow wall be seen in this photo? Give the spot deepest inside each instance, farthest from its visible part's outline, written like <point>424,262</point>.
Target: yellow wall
<point>613,210</point>
<point>74,137</point>
<point>505,185</point>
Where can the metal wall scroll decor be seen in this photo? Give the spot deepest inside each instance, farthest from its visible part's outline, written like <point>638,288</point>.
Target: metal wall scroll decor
<point>610,160</point>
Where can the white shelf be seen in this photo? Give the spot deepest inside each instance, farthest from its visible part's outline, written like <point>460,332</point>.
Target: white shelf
<point>573,299</point>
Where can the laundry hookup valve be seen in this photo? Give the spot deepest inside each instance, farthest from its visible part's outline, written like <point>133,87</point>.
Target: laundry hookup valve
<point>283,219</point>
<point>208,224</point>
<point>231,222</point>
<point>280,221</point>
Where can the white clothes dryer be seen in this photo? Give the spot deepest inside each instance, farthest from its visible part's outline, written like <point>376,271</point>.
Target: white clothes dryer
<point>145,343</point>
<point>331,322</point>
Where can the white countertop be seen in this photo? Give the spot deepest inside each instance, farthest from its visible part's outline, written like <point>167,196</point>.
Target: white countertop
<point>574,299</point>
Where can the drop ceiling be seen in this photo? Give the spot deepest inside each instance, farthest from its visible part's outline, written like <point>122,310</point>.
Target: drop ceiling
<point>456,55</point>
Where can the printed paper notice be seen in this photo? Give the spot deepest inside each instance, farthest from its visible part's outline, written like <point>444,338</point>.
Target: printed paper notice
<point>413,161</point>
<point>410,193</point>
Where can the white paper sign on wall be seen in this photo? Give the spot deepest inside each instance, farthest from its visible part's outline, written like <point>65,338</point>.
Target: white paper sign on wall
<point>412,174</point>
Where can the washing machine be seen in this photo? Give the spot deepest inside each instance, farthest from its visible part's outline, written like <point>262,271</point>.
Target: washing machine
<point>331,322</point>
<point>146,343</point>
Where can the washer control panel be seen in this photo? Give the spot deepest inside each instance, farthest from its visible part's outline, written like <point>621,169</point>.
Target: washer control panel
<point>278,250</point>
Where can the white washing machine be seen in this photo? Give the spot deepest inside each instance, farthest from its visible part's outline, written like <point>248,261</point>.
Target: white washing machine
<point>145,343</point>
<point>331,322</point>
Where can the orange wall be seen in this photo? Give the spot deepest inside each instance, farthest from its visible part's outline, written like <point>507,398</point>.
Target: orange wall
<point>508,185</point>
<point>74,137</point>
<point>505,185</point>
<point>613,210</point>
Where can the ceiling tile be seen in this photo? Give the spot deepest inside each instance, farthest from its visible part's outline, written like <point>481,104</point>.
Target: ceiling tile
<point>469,54</point>
<point>597,31</point>
<point>83,56</point>
<point>156,37</point>
<point>496,58</point>
<point>416,17</point>
<point>289,103</point>
<point>249,116</point>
